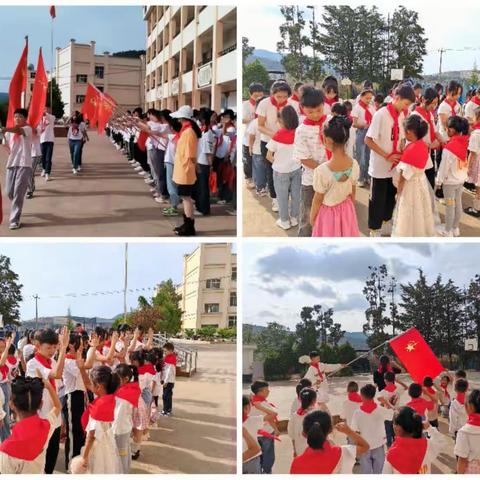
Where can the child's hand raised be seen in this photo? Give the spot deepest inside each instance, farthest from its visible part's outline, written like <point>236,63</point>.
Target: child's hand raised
<point>342,427</point>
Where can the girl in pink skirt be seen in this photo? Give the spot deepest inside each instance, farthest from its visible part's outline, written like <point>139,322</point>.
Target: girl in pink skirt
<point>333,212</point>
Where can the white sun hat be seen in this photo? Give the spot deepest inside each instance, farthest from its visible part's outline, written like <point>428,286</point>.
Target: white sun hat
<point>183,112</point>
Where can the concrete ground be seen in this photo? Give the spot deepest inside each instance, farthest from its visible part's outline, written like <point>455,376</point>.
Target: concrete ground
<point>259,220</point>
<point>200,436</point>
<point>106,199</point>
<point>282,394</point>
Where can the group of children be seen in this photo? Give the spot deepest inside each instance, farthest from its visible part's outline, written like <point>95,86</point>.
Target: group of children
<point>97,393</point>
<point>385,432</point>
<point>309,151</point>
<point>187,157</point>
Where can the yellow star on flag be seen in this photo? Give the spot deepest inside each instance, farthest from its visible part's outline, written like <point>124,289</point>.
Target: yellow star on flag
<point>411,346</point>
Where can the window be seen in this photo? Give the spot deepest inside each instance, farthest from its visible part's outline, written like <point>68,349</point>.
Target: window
<point>232,321</point>
<point>99,88</point>
<point>80,99</point>
<point>234,274</point>
<point>99,71</point>
<point>82,78</point>
<point>233,299</point>
<point>212,308</point>
<point>32,74</point>
<point>213,283</point>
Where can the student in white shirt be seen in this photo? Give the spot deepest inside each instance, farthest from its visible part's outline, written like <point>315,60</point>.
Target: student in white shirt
<point>351,403</point>
<point>302,383</point>
<point>330,90</point>
<point>385,138</point>
<point>47,142</point>
<point>453,173</point>
<point>308,403</point>
<point>76,135</point>
<point>457,415</point>
<point>369,422</point>
<point>36,160</point>
<point>287,171</point>
<point>450,107</point>
<point>295,98</point>
<point>472,106</point>
<point>168,377</point>
<point>251,424</point>
<point>474,163</point>
<point>259,172</point>
<point>467,445</point>
<point>19,164</point>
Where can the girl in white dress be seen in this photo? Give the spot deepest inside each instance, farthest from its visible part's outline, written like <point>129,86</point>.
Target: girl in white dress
<point>308,403</point>
<point>323,457</point>
<point>413,215</point>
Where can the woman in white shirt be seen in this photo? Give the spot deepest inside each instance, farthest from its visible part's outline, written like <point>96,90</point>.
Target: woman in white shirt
<point>76,135</point>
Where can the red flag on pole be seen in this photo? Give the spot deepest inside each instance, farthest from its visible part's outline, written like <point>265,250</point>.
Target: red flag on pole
<point>39,94</point>
<point>18,85</point>
<point>90,105</point>
<point>53,13</point>
<point>416,355</point>
<point>105,111</point>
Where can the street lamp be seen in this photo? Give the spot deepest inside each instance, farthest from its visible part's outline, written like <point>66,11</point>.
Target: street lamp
<point>314,39</point>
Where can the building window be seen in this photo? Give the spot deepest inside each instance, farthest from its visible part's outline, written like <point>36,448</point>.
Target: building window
<point>32,74</point>
<point>99,71</point>
<point>213,283</point>
<point>80,99</point>
<point>233,299</point>
<point>82,78</point>
<point>232,321</point>
<point>234,274</point>
<point>212,308</point>
<point>99,88</point>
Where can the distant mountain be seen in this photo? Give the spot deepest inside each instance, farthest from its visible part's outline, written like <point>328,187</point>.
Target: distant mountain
<point>3,97</point>
<point>58,321</point>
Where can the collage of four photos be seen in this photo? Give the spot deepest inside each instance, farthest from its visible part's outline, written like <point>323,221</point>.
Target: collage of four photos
<point>125,349</point>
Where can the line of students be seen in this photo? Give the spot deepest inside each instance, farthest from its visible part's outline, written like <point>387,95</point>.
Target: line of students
<point>309,151</point>
<point>187,157</point>
<point>385,434</point>
<point>99,393</point>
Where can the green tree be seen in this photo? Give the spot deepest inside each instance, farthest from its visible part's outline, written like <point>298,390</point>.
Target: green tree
<point>207,332</point>
<point>248,336</point>
<point>58,108</point>
<point>3,113</point>
<point>254,72</point>
<point>10,293</point>
<point>335,334</point>
<point>167,301</point>
<point>474,78</point>
<point>472,308</point>
<point>247,50</point>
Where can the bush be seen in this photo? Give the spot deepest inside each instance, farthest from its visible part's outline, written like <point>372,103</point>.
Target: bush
<point>227,333</point>
<point>189,332</point>
<point>207,332</point>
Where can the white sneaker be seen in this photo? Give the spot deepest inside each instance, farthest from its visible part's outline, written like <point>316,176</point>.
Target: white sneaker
<point>275,206</point>
<point>14,226</point>
<point>456,232</point>
<point>284,225</point>
<point>153,189</point>
<point>142,173</point>
<point>43,173</point>
<point>138,168</point>
<point>250,184</point>
<point>79,169</point>
<point>293,221</point>
<point>386,230</point>
<point>360,184</point>
<point>74,171</point>
<point>197,213</point>
<point>375,233</point>
<point>150,181</point>
<point>442,231</point>
<point>47,177</point>
<point>159,199</point>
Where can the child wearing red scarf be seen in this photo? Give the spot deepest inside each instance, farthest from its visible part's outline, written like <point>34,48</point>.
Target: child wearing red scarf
<point>457,415</point>
<point>412,452</point>
<point>308,403</point>
<point>450,107</point>
<point>472,106</point>
<point>474,162</point>
<point>321,456</point>
<point>414,209</point>
<point>251,424</point>
<point>453,173</point>
<point>295,405</point>
<point>467,445</point>
<point>168,377</point>
<point>351,403</point>
<point>418,402</point>
<point>25,450</point>
<point>442,389</point>
<point>430,394</point>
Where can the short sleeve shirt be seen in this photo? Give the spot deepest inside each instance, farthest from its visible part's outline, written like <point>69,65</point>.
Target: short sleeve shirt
<point>20,148</point>
<point>184,167</point>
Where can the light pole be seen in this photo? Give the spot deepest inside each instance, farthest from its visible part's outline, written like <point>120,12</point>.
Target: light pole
<point>314,41</point>
<point>36,311</point>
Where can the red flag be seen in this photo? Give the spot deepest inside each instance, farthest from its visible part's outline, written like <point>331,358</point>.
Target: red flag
<point>415,354</point>
<point>90,105</point>
<point>105,111</point>
<point>142,140</point>
<point>53,13</point>
<point>18,85</point>
<point>39,94</point>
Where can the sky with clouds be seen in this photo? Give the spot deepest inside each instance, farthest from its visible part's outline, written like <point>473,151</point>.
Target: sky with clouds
<point>283,278</point>
<point>446,25</point>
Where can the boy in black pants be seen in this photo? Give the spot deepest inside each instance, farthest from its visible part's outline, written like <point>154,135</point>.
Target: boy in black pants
<point>168,377</point>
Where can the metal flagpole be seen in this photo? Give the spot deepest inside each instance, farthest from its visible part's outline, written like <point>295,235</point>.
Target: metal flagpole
<point>51,65</point>
<point>24,94</point>
<point>125,285</point>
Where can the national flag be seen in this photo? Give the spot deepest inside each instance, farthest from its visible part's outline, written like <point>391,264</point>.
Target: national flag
<point>104,112</point>
<point>142,140</point>
<point>53,12</point>
<point>416,355</point>
<point>39,94</point>
<point>90,105</point>
<point>18,85</point>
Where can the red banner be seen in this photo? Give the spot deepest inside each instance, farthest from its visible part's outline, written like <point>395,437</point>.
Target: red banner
<point>53,12</point>
<point>105,111</point>
<point>39,94</point>
<point>416,355</point>
<point>90,105</point>
<point>18,85</point>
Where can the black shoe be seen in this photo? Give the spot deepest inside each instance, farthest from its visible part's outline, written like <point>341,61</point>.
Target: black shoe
<point>136,455</point>
<point>181,227</point>
<point>30,195</point>
<point>189,230</point>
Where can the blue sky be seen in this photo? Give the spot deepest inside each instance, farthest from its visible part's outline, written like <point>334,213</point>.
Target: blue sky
<point>113,28</point>
<point>50,269</point>
<point>446,25</point>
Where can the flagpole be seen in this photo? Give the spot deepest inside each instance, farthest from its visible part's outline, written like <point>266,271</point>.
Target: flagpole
<point>24,93</point>
<point>51,66</point>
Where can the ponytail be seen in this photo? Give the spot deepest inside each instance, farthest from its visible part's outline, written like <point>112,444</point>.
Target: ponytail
<point>102,375</point>
<point>316,427</point>
<point>27,393</point>
<point>307,397</point>
<point>410,421</point>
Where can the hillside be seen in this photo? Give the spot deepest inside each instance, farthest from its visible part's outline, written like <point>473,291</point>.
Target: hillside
<point>3,97</point>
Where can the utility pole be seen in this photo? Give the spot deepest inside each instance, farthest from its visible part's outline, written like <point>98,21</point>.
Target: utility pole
<point>314,43</point>
<point>36,311</point>
<point>125,285</point>
<point>442,51</point>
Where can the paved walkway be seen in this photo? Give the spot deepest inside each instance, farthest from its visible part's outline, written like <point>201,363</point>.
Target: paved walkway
<point>259,220</point>
<point>200,436</point>
<point>107,199</point>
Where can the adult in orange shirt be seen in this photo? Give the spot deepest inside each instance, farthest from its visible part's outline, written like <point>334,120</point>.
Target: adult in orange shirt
<point>184,168</point>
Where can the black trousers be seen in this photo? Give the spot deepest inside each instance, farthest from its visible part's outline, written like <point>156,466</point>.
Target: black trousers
<point>381,203</point>
<point>141,158</point>
<point>247,162</point>
<point>268,169</point>
<point>52,451</point>
<point>201,193</point>
<point>168,397</point>
<point>73,408</point>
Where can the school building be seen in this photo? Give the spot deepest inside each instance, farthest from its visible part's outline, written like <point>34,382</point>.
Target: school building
<point>76,65</point>
<point>191,57</point>
<point>209,287</point>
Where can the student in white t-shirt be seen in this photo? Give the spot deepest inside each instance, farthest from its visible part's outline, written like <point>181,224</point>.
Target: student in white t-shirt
<point>251,453</point>
<point>77,134</point>
<point>385,138</point>
<point>302,383</point>
<point>47,141</point>
<point>259,173</point>
<point>19,164</point>
<point>474,163</point>
<point>457,414</point>
<point>472,106</point>
<point>467,445</point>
<point>287,171</point>
<point>351,403</point>
<point>450,107</point>
<point>36,160</point>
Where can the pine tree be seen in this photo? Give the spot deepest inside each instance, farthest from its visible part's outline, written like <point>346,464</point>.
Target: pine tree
<point>247,50</point>
<point>254,72</point>
<point>335,334</point>
<point>58,108</point>
<point>472,308</point>
<point>10,293</point>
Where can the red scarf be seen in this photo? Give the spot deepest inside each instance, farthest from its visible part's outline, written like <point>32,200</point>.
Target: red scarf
<point>171,359</point>
<point>129,392</point>
<point>147,368</point>
<point>420,405</point>
<point>416,154</point>
<point>368,113</point>
<point>428,117</point>
<point>474,419</point>
<point>406,455</point>
<point>259,399</point>
<point>12,360</point>
<point>388,369</point>
<point>28,439</point>
<point>252,102</point>
<point>185,126</point>
<point>458,145</point>
<point>355,397</point>
<point>47,363</point>
<point>331,101</point>
<point>295,98</point>
<point>4,371</point>
<point>108,344</point>
<point>70,356</point>
<point>475,100</point>
<point>316,366</point>
<point>323,460</point>
<point>368,406</point>
<point>391,387</point>
<point>101,409</point>
<point>460,398</point>
<point>431,390</point>
<point>244,418</point>
<point>284,136</point>
<point>277,105</point>
<point>302,411</point>
<point>476,126</point>
<point>452,104</point>
<point>396,127</point>
<point>445,391</point>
